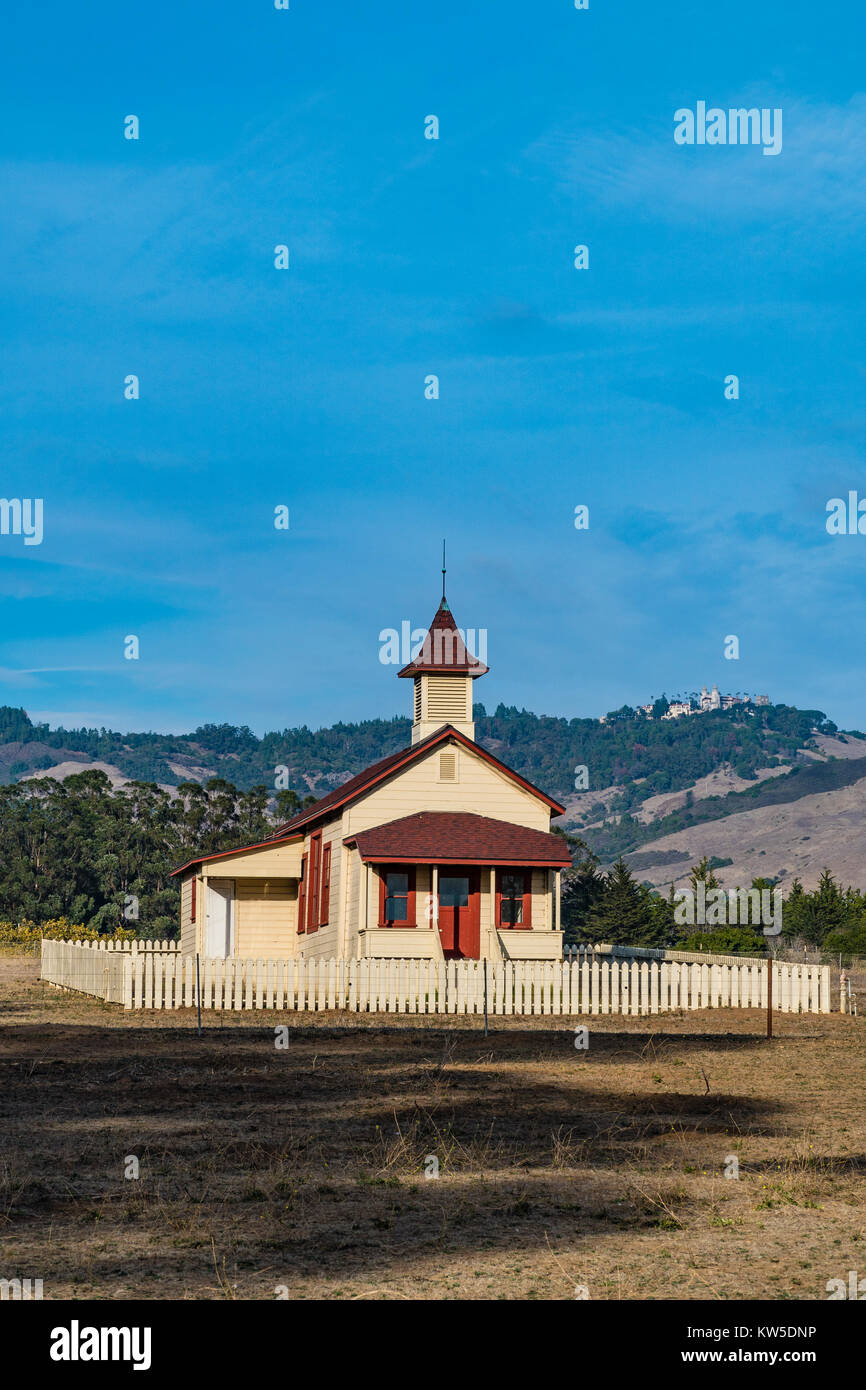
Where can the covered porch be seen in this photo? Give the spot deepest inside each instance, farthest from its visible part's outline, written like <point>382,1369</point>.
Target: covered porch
<point>452,886</point>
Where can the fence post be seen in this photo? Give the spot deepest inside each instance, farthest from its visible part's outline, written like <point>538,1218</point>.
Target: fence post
<point>769,994</point>
<point>198,991</point>
<point>485,996</point>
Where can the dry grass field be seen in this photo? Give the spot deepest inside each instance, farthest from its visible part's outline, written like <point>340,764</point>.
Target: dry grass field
<point>305,1167</point>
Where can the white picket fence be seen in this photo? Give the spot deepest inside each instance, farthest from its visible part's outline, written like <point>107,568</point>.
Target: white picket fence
<point>100,967</point>
<point>146,978</point>
<point>608,952</point>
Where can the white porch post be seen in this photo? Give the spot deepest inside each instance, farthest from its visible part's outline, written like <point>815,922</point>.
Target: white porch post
<point>558,918</point>
<point>434,888</point>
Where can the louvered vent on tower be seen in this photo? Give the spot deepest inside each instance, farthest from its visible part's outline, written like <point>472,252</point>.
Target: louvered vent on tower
<point>446,699</point>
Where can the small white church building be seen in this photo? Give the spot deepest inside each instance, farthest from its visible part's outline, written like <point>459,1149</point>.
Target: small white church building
<point>437,851</point>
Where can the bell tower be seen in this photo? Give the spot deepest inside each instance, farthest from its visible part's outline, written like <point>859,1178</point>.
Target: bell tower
<point>443,672</point>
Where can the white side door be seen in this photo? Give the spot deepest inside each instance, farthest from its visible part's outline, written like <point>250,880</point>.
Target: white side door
<point>219,937</point>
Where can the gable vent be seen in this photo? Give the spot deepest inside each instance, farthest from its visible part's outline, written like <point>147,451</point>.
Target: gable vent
<point>447,767</point>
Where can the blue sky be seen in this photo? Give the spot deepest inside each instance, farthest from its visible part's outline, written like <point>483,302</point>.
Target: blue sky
<point>409,257</point>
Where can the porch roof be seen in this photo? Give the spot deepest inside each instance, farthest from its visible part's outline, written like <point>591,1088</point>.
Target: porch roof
<point>459,837</point>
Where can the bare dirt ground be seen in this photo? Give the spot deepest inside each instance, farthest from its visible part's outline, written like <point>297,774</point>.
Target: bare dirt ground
<point>305,1167</point>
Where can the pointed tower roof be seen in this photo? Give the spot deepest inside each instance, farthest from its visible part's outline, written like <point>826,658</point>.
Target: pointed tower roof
<point>444,652</point>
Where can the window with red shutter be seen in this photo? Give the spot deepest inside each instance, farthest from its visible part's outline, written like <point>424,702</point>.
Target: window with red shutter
<point>514,898</point>
<point>302,896</point>
<point>325,904</point>
<point>397,895</point>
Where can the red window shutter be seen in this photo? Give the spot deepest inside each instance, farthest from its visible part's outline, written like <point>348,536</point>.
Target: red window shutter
<point>527,898</point>
<point>192,899</point>
<point>411,904</point>
<point>325,907</point>
<point>315,883</point>
<point>302,896</point>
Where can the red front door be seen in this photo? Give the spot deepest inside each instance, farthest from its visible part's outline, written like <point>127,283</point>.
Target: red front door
<point>459,915</point>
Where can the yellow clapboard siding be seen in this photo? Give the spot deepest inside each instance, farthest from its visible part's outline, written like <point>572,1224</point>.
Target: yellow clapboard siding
<point>352,897</point>
<point>479,789</point>
<point>277,861</point>
<point>400,943</point>
<point>541,898</point>
<point>423,898</point>
<point>187,926</point>
<point>319,943</point>
<point>266,917</point>
<point>487,906</point>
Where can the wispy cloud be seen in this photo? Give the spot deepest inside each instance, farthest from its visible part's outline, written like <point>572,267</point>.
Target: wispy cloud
<point>177,241</point>
<point>821,171</point>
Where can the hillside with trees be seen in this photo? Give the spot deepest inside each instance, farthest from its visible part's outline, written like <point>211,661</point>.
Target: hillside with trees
<point>614,907</point>
<point>101,857</point>
<point>642,756</point>
<point>102,854</point>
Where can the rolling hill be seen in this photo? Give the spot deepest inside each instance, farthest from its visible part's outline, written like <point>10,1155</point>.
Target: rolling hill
<point>772,791</point>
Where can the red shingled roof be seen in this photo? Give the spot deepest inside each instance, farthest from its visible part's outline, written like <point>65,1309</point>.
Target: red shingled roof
<point>444,652</point>
<point>377,772</point>
<point>459,837</point>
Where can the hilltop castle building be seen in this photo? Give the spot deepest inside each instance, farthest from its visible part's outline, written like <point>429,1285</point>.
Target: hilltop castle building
<point>708,700</point>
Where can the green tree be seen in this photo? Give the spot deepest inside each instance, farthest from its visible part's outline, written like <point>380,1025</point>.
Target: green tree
<point>826,912</point>
<point>847,941</point>
<point>703,872</point>
<point>582,887</point>
<point>624,914</point>
<point>104,857</point>
<point>724,941</point>
<point>289,803</point>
